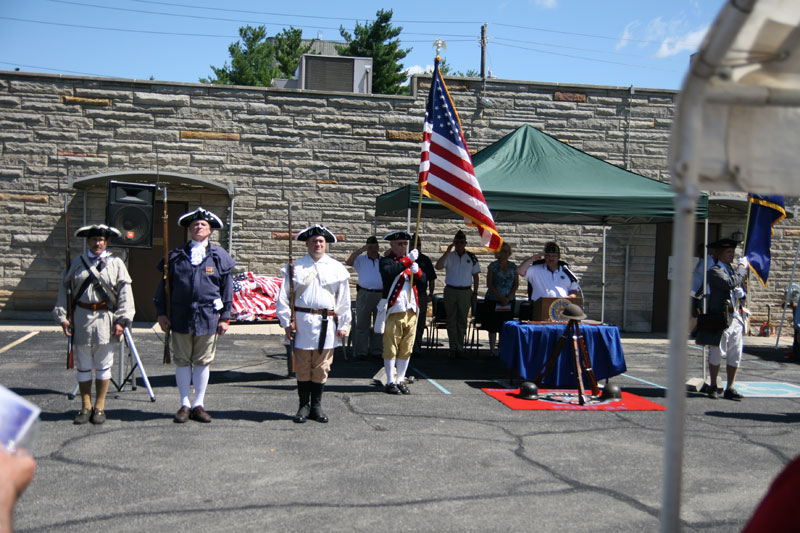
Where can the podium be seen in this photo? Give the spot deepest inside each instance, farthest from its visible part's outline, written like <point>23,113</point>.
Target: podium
<point>552,309</point>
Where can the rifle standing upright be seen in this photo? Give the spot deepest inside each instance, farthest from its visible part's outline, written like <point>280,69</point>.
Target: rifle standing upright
<point>165,219</point>
<point>70,305</point>
<point>292,325</point>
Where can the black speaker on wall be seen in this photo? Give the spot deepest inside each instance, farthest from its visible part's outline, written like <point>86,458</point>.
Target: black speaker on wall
<point>130,209</point>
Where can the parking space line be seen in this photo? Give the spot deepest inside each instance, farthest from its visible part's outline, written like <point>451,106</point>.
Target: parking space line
<point>445,391</point>
<point>643,381</point>
<point>18,341</point>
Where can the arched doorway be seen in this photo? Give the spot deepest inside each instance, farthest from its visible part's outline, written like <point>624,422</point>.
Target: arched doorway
<point>184,192</point>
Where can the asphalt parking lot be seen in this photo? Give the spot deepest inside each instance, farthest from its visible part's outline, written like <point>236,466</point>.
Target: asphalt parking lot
<point>446,458</point>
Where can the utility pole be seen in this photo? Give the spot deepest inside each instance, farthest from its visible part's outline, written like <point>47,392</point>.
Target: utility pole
<point>483,50</point>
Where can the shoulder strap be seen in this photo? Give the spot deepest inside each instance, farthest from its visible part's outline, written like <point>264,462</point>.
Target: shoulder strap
<point>105,289</point>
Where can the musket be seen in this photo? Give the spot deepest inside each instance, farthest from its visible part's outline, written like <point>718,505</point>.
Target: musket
<point>165,219</point>
<point>292,325</point>
<point>70,357</point>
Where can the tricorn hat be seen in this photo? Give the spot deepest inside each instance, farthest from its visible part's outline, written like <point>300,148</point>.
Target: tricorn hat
<point>315,230</point>
<point>398,235</point>
<point>460,235</point>
<point>200,214</point>
<point>372,239</point>
<point>721,244</point>
<point>98,230</point>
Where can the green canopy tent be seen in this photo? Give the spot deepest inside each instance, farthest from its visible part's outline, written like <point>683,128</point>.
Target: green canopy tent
<point>528,176</point>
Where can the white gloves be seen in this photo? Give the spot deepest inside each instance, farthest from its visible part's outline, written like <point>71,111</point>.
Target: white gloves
<point>413,254</point>
<point>743,261</point>
<point>738,292</point>
<point>414,267</point>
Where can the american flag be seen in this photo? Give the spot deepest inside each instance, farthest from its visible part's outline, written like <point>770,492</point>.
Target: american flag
<point>254,296</point>
<point>445,170</point>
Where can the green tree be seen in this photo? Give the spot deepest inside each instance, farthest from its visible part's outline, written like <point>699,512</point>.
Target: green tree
<point>288,47</point>
<point>446,70</point>
<point>256,59</point>
<point>378,41</point>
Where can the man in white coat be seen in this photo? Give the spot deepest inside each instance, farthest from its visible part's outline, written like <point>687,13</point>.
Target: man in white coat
<point>321,289</point>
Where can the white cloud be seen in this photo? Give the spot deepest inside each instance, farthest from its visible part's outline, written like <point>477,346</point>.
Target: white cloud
<point>627,34</point>
<point>675,44</point>
<point>417,69</point>
<point>547,4</point>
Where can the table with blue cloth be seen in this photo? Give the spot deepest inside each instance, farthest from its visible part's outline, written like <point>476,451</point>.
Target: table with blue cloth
<point>524,348</point>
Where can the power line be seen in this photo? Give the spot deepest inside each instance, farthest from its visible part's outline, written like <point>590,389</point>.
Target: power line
<point>589,58</point>
<point>626,39</point>
<point>497,40</point>
<point>54,69</point>
<point>118,29</point>
<point>349,19</point>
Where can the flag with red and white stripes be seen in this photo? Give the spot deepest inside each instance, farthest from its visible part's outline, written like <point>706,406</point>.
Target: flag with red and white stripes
<point>445,170</point>
<point>254,296</point>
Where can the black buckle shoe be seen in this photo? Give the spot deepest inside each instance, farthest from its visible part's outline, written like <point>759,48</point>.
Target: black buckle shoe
<point>402,388</point>
<point>83,416</point>
<point>712,393</point>
<point>391,388</point>
<point>732,394</point>
<point>98,416</point>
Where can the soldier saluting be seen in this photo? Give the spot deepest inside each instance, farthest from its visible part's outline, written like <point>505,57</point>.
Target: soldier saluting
<point>102,307</point>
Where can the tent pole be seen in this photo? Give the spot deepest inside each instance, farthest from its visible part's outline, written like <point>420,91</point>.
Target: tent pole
<point>786,296</point>
<point>603,282</point>
<point>626,277</point>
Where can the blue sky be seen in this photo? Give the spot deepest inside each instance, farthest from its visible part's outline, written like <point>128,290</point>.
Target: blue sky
<point>644,43</point>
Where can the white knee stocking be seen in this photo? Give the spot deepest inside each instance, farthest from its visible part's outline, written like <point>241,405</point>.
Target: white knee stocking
<point>200,380</point>
<point>388,365</point>
<point>183,377</point>
<point>402,366</point>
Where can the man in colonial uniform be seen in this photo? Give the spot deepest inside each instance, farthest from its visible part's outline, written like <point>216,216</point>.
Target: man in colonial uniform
<point>725,337</point>
<point>400,272</point>
<point>201,295</point>
<point>103,307</point>
<point>321,289</point>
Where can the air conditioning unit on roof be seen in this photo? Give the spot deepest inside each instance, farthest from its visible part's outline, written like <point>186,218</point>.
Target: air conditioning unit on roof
<point>335,73</point>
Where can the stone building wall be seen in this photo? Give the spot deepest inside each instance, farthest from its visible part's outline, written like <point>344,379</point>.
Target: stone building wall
<point>331,154</point>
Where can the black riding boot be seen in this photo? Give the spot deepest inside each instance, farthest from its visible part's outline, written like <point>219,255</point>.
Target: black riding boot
<point>304,392</point>
<point>316,403</point>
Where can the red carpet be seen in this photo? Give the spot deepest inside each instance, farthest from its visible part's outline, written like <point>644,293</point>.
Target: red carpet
<point>567,400</point>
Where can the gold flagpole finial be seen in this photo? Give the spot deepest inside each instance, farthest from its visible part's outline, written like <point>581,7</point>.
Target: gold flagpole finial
<point>440,44</point>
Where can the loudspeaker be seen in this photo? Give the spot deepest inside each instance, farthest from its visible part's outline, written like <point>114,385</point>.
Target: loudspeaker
<point>130,209</point>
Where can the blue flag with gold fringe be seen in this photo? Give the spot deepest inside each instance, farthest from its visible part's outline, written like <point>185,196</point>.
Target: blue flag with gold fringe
<point>764,213</point>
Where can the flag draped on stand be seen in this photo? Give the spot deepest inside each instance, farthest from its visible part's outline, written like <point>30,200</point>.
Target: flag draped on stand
<point>445,171</point>
<point>764,213</point>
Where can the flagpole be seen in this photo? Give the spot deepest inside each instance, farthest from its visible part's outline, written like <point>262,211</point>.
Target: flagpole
<point>744,254</point>
<point>439,44</point>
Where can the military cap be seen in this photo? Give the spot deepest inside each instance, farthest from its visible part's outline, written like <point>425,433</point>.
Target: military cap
<point>398,235</point>
<point>721,244</point>
<point>200,214</point>
<point>98,230</point>
<point>372,239</point>
<point>315,230</point>
<point>551,248</point>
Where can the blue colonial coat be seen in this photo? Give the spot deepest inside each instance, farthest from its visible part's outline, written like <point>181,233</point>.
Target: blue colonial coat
<point>194,288</point>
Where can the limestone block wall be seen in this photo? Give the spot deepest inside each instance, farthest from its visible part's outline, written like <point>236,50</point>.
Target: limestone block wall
<point>330,154</point>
